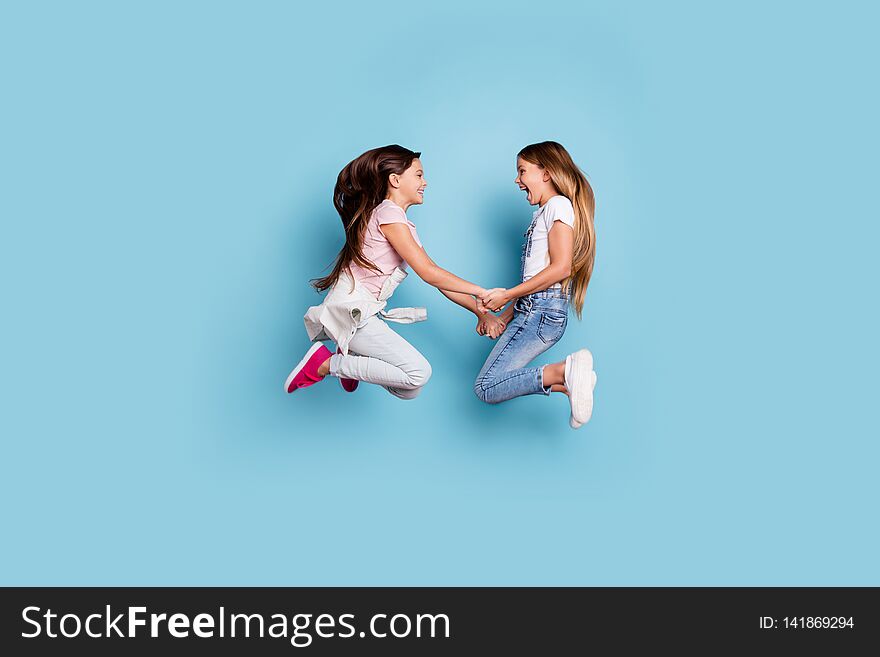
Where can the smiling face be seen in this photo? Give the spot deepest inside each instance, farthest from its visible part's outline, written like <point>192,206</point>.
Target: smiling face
<point>533,180</point>
<point>408,188</point>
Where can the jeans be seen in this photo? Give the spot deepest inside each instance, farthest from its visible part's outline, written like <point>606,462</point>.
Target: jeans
<point>376,354</point>
<point>538,323</point>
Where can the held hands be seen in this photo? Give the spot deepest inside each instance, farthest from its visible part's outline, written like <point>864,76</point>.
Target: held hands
<point>494,299</point>
<point>481,309</point>
<point>490,325</point>
<point>487,302</point>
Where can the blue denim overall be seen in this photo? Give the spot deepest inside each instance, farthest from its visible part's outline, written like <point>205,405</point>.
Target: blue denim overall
<point>538,323</point>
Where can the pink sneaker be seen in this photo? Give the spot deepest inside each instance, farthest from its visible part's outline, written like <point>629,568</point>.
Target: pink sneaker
<point>306,373</point>
<point>349,385</point>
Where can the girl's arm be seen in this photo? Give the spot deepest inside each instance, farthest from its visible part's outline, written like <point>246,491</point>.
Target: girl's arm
<point>402,240</point>
<point>464,300</point>
<point>560,243</point>
<point>487,323</point>
<point>507,314</point>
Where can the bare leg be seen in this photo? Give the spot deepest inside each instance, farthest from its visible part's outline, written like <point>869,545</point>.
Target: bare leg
<point>554,374</point>
<point>558,387</point>
<point>324,370</point>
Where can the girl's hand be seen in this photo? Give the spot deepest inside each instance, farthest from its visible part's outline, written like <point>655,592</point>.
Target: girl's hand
<point>491,325</point>
<point>495,299</point>
<point>481,309</point>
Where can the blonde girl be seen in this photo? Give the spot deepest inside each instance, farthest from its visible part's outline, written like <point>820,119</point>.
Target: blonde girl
<point>556,265</point>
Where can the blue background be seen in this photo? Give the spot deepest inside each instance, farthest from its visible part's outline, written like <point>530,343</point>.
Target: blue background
<point>167,171</point>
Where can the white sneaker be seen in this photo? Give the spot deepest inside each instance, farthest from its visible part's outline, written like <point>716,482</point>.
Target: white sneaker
<point>574,424</point>
<point>578,380</point>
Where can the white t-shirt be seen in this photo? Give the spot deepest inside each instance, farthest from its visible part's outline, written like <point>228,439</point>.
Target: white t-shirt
<point>537,247</point>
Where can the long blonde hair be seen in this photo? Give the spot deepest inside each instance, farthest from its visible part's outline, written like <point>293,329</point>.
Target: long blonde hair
<point>571,182</point>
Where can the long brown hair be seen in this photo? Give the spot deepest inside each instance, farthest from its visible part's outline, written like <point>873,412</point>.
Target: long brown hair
<point>360,187</point>
<point>571,182</point>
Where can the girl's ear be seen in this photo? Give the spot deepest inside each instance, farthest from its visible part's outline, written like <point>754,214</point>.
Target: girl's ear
<point>394,180</point>
<point>546,177</point>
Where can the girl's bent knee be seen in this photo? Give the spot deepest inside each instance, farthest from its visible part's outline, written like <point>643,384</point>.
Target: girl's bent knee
<point>483,392</point>
<point>401,393</point>
<point>419,375</point>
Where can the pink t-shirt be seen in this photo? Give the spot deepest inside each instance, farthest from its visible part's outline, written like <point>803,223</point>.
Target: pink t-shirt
<point>378,250</point>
